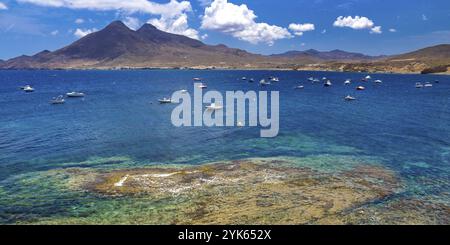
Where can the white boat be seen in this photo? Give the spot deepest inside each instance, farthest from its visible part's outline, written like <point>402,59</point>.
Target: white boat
<point>378,81</point>
<point>263,82</point>
<point>428,85</point>
<point>350,98</point>
<point>28,89</point>
<point>311,79</point>
<point>58,100</point>
<point>165,101</point>
<point>251,80</point>
<point>315,80</point>
<point>214,107</point>
<point>197,79</point>
<point>202,86</point>
<point>360,88</point>
<point>244,78</point>
<point>324,78</point>
<point>348,82</point>
<point>300,87</point>
<point>75,95</point>
<point>274,79</point>
<point>328,84</point>
<point>419,85</point>
<point>367,78</point>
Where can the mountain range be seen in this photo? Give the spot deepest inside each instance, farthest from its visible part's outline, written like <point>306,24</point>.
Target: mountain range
<point>118,47</point>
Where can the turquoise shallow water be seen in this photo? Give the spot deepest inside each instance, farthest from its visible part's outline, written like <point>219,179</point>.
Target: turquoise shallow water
<point>120,125</point>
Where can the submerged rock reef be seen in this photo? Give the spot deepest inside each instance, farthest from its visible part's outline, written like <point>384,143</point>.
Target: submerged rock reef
<point>251,191</point>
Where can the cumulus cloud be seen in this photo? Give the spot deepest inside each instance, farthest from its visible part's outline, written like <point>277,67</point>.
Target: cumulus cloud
<point>177,25</point>
<point>299,29</point>
<point>3,6</point>
<point>357,23</point>
<point>83,32</point>
<point>132,23</point>
<point>54,33</point>
<point>239,21</point>
<point>204,36</point>
<point>173,15</point>
<point>392,30</point>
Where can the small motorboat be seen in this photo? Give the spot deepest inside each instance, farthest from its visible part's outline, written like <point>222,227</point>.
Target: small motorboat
<point>28,89</point>
<point>419,85</point>
<point>324,78</point>
<point>165,101</point>
<point>316,80</point>
<point>311,79</point>
<point>350,98</point>
<point>428,85</point>
<point>360,88</point>
<point>58,100</point>
<point>300,87</point>
<point>244,78</point>
<point>202,86</point>
<point>378,81</point>
<point>348,82</point>
<point>197,79</point>
<point>327,84</point>
<point>274,79</point>
<point>263,82</point>
<point>366,79</point>
<point>214,107</point>
<point>251,80</point>
<point>75,95</point>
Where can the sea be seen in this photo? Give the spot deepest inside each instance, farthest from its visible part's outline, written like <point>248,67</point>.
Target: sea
<point>120,124</point>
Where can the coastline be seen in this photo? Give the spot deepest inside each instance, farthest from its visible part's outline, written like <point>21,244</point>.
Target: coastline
<point>219,69</point>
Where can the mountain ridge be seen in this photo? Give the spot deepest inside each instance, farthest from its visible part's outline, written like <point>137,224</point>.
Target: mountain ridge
<point>118,47</point>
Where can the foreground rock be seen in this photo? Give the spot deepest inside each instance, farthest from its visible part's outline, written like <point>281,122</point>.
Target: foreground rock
<point>258,191</point>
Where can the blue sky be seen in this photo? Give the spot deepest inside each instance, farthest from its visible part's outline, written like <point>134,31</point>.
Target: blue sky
<point>260,26</point>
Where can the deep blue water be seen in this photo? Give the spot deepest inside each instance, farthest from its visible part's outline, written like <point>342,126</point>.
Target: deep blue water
<point>406,128</point>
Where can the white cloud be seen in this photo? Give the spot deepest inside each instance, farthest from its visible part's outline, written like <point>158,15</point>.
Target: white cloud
<point>204,36</point>
<point>3,6</point>
<point>392,30</point>
<point>54,33</point>
<point>132,23</point>
<point>324,31</point>
<point>177,25</point>
<point>299,29</point>
<point>376,30</point>
<point>83,32</point>
<point>173,17</point>
<point>79,21</point>
<point>357,23</point>
<point>424,17</point>
<point>239,21</point>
